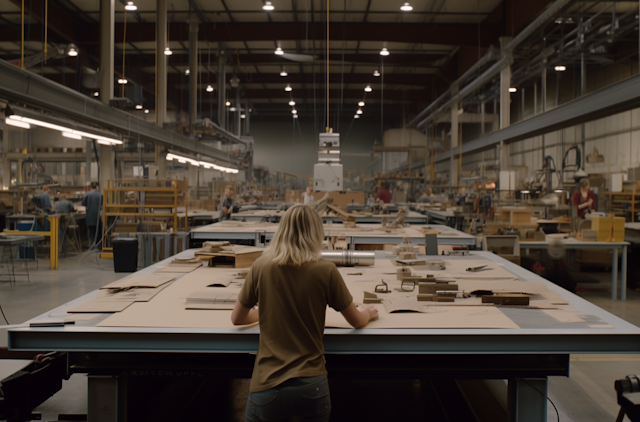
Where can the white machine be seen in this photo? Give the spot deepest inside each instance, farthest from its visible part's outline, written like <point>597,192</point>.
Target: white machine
<point>327,174</point>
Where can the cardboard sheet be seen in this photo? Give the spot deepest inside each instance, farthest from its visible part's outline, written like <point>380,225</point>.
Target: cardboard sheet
<point>101,306</point>
<point>179,268</point>
<point>564,316</point>
<point>141,280</point>
<point>211,299</point>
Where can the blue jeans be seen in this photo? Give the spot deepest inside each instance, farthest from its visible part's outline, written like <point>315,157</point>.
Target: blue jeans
<point>307,398</point>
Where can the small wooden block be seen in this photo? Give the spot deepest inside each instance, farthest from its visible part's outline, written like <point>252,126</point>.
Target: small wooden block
<point>368,300</point>
<point>406,255</point>
<point>512,299</point>
<point>432,288</point>
<point>403,272</point>
<point>426,298</point>
<point>445,299</point>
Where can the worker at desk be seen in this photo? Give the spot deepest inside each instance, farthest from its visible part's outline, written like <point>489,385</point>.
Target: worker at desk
<point>226,205</point>
<point>584,198</point>
<point>64,206</point>
<point>383,195</point>
<point>293,287</point>
<point>45,200</point>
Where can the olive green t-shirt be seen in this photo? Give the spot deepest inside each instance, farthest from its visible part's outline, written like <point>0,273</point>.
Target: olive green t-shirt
<point>292,305</point>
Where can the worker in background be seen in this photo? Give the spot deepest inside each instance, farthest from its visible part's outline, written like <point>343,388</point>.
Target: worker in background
<point>584,198</point>
<point>424,197</point>
<point>293,287</point>
<point>226,206</point>
<point>93,202</point>
<point>64,206</point>
<point>307,197</point>
<point>383,195</point>
<point>45,200</point>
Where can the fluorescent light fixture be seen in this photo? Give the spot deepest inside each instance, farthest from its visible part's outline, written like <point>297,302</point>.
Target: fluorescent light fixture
<point>242,116</point>
<point>288,88</point>
<point>356,116</point>
<point>560,68</point>
<point>101,142</point>
<point>73,52</point>
<point>558,191</point>
<point>167,51</point>
<point>406,7</point>
<point>460,111</point>
<point>146,111</point>
<point>71,135</point>
<point>131,7</point>
<point>138,106</point>
<point>209,88</point>
<point>512,89</point>
<point>181,161</point>
<point>294,111</point>
<point>232,109</point>
<point>122,81</point>
<point>384,51</point>
<point>292,103</point>
<point>376,73</point>
<point>206,164</point>
<point>17,123</point>
<point>279,51</point>
<point>368,88</point>
<point>228,103</point>
<point>359,111</point>
<point>29,121</point>
<point>268,6</point>
<point>360,103</point>
<point>524,191</point>
<point>187,72</point>
<point>96,94</point>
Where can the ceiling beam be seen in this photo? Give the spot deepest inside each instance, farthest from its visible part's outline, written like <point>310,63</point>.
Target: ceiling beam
<point>60,19</point>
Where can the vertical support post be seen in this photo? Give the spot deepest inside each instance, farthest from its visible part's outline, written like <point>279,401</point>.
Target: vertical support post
<point>107,399</point>
<point>161,62</point>
<point>193,73</point>
<point>527,400</point>
<point>107,44</point>
<point>162,162</point>
<point>238,111</point>
<point>222,89</point>
<point>535,99</point>
<point>6,163</point>
<point>453,166</point>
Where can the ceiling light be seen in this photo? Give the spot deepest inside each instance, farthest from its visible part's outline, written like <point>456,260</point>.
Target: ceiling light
<point>558,191</point>
<point>228,103</point>
<point>295,116</point>
<point>268,6</point>
<point>292,103</point>
<point>138,106</point>
<point>73,52</point>
<point>368,88</point>
<point>209,88</point>
<point>294,111</point>
<point>361,103</point>
<point>279,51</point>
<point>182,161</point>
<point>359,111</point>
<point>384,51</point>
<point>26,120</point>
<point>122,81</point>
<point>560,68</point>
<point>101,142</point>
<point>167,51</point>
<point>356,116</point>
<point>524,191</point>
<point>96,94</point>
<point>376,73</point>
<point>406,7</point>
<point>242,116</point>
<point>288,88</point>
<point>131,7</point>
<point>513,89</point>
<point>71,135</point>
<point>232,109</point>
<point>283,72</point>
<point>146,111</point>
<point>17,123</point>
<point>186,72</point>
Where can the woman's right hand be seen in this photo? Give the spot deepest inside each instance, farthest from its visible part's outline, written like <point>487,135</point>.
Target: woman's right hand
<point>373,312</point>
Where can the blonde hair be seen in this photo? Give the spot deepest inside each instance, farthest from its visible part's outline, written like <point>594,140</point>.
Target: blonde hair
<point>584,183</point>
<point>298,239</point>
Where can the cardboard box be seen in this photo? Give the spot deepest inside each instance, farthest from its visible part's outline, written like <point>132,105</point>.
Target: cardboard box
<point>603,227</point>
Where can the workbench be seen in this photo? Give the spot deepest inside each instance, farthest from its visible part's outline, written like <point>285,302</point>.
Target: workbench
<point>117,357</point>
<point>11,241</point>
<point>364,217</point>
<point>572,243</point>
<point>368,234</point>
<point>53,234</point>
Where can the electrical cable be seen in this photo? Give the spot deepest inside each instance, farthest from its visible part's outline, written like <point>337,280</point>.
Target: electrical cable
<point>547,397</point>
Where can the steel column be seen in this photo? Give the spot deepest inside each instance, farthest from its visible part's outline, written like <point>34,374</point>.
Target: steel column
<point>161,62</point>
<point>222,89</point>
<point>527,400</point>
<point>107,44</point>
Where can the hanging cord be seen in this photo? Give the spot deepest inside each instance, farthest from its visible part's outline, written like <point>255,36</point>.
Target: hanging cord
<point>327,66</point>
<point>124,47</point>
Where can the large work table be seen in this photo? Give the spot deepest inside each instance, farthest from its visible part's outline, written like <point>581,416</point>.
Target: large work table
<point>364,234</point>
<point>149,338</point>
<point>273,216</point>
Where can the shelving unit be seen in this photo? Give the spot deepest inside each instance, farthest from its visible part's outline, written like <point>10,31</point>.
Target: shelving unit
<point>617,201</point>
<point>130,202</point>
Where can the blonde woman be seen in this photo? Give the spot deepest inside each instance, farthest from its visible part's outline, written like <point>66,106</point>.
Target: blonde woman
<point>293,287</point>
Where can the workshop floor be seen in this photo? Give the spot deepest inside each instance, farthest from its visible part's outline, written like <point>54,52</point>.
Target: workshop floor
<point>588,395</point>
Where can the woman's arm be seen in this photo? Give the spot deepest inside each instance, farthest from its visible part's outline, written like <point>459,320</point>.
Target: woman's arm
<point>357,318</point>
<point>243,316</point>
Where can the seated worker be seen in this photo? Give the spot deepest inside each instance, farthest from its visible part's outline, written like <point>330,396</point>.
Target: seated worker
<point>226,203</point>
<point>64,206</point>
<point>583,198</point>
<point>45,200</point>
<point>307,196</point>
<point>293,287</point>
<point>383,195</point>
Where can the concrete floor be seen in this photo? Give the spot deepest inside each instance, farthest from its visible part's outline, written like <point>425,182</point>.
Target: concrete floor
<point>588,395</point>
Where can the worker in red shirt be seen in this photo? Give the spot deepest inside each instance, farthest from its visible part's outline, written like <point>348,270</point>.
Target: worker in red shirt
<point>584,198</point>
<point>383,193</point>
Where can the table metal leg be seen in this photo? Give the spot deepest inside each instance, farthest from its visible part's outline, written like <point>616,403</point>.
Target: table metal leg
<point>527,400</point>
<point>623,276</point>
<point>614,275</point>
<point>107,399</point>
